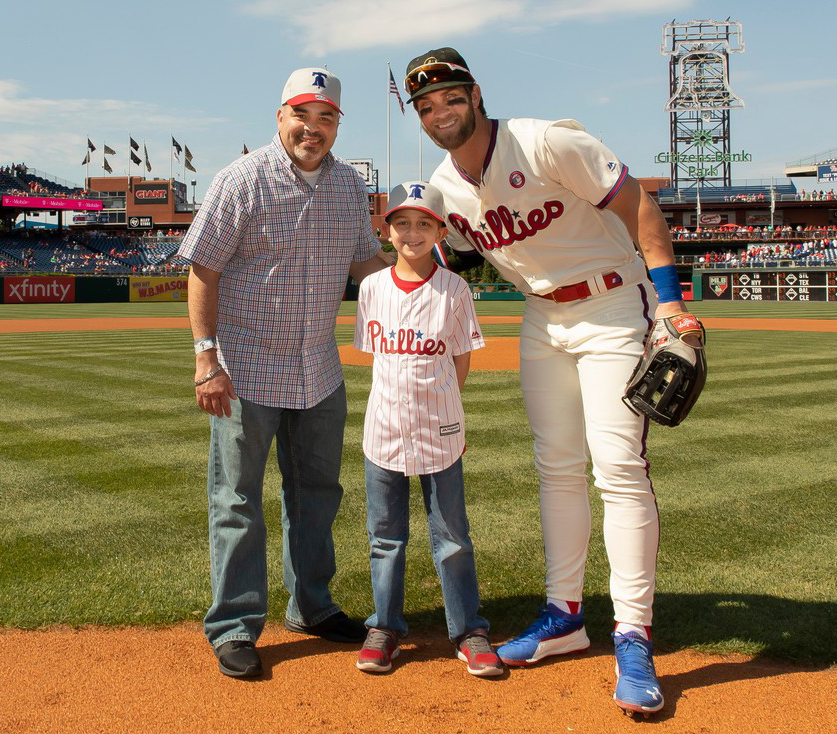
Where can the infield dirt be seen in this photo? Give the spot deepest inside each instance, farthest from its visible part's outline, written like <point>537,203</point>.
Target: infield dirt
<point>151,681</point>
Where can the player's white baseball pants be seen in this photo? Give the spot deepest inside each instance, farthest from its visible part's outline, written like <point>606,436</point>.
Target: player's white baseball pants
<point>575,359</point>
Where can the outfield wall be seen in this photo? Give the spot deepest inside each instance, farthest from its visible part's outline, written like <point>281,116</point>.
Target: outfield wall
<point>93,288</point>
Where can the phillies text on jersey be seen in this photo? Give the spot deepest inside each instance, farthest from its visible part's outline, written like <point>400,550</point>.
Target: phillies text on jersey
<point>539,212</point>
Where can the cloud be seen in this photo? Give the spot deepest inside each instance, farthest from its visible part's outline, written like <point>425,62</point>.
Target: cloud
<point>338,25</point>
<point>18,108</point>
<point>794,86</point>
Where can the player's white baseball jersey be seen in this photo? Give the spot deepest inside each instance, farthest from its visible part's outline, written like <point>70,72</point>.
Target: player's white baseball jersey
<point>414,419</point>
<point>538,214</point>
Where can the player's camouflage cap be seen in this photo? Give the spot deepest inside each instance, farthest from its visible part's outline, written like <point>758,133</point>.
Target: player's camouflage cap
<point>418,195</point>
<point>439,68</point>
<point>312,85</point>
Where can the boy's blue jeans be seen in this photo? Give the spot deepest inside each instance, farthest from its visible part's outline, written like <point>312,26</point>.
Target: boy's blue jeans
<point>309,445</point>
<point>388,525</point>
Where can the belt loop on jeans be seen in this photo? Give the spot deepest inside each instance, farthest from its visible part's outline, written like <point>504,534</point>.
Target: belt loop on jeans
<point>579,291</point>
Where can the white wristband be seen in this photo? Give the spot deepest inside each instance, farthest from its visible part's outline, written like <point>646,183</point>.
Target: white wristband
<point>205,343</point>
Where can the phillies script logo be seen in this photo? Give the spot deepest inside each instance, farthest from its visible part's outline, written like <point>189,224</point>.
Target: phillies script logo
<point>403,341</point>
<point>502,227</point>
<point>151,193</point>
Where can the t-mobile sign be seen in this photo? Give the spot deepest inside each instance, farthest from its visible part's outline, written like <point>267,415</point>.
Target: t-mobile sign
<point>39,202</point>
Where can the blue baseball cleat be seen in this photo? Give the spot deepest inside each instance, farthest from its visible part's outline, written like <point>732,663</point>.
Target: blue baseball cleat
<point>637,687</point>
<point>553,633</point>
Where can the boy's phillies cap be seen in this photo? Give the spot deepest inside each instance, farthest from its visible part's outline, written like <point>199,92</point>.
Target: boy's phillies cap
<point>418,195</point>
<point>312,85</point>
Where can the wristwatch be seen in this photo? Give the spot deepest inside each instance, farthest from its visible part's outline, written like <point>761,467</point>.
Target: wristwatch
<point>205,343</point>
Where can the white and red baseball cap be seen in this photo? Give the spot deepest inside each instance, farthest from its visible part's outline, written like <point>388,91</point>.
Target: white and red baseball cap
<point>312,85</point>
<point>418,195</point>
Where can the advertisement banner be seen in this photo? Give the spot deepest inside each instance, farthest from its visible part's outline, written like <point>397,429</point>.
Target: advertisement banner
<point>159,288</point>
<point>140,222</point>
<point>151,193</point>
<point>39,289</point>
<point>827,174</point>
<point>38,202</point>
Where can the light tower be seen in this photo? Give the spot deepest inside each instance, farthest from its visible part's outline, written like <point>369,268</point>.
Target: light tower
<point>701,99</point>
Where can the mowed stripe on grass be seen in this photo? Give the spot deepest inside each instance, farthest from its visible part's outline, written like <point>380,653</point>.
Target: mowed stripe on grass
<point>103,497</point>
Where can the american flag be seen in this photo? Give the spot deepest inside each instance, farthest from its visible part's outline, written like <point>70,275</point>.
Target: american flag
<point>393,89</point>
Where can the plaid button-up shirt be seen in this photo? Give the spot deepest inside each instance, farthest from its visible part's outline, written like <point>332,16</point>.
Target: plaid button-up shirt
<point>283,250</point>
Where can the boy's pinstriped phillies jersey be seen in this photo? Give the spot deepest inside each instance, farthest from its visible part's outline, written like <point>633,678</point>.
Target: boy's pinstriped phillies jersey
<point>414,419</point>
<point>539,213</point>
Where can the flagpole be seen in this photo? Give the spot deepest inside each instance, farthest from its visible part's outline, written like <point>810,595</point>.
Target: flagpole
<point>421,172</point>
<point>171,165</point>
<point>389,95</point>
<point>130,150</point>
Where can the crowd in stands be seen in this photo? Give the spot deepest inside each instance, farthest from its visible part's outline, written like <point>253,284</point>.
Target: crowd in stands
<point>810,253</point>
<point>750,232</point>
<point>91,252</point>
<point>818,195</point>
<point>18,180</point>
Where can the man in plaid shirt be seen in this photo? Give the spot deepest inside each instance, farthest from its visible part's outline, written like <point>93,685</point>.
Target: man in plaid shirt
<point>271,248</point>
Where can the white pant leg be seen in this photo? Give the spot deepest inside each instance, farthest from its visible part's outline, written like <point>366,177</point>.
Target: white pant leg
<point>552,396</point>
<point>596,344</point>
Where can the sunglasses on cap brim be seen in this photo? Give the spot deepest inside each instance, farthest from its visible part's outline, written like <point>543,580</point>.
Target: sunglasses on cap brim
<point>435,73</point>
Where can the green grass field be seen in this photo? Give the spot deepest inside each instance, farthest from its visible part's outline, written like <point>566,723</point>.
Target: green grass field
<point>102,490</point>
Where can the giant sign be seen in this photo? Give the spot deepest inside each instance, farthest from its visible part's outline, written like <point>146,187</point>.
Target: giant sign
<point>151,193</point>
<point>39,202</point>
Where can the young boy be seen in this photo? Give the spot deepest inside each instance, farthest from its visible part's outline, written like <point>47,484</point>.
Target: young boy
<point>418,321</point>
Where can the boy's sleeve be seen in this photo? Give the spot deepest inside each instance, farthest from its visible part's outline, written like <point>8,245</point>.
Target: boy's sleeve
<point>361,332</point>
<point>467,334</point>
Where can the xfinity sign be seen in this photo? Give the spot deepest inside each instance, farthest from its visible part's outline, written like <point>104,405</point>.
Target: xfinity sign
<point>39,290</point>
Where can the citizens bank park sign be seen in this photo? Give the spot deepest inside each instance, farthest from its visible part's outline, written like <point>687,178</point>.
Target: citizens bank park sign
<point>151,194</point>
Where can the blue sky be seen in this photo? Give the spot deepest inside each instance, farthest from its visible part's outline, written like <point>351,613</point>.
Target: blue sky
<point>211,73</point>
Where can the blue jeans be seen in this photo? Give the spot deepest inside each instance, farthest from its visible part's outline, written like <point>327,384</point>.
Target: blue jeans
<point>309,445</point>
<point>388,525</point>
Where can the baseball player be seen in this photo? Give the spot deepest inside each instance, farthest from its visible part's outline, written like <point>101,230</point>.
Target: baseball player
<point>557,214</point>
<point>419,323</point>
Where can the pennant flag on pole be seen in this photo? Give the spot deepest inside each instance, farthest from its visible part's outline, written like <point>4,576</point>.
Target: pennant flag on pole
<point>188,164</point>
<point>177,149</point>
<point>86,159</point>
<point>147,162</point>
<point>393,88</point>
<point>106,166</point>
<point>187,153</point>
<point>90,145</point>
<point>135,159</point>
<point>244,150</point>
<point>109,150</point>
<point>134,144</point>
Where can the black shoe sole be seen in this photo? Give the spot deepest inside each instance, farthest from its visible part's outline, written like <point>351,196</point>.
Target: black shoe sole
<point>251,672</point>
<point>327,635</point>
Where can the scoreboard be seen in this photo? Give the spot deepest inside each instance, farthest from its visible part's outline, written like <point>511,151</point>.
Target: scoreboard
<point>770,285</point>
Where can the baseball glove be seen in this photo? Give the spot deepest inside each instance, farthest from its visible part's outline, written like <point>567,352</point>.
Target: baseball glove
<point>671,373</point>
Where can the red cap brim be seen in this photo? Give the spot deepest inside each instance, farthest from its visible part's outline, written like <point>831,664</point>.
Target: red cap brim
<point>301,99</point>
<point>417,208</point>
